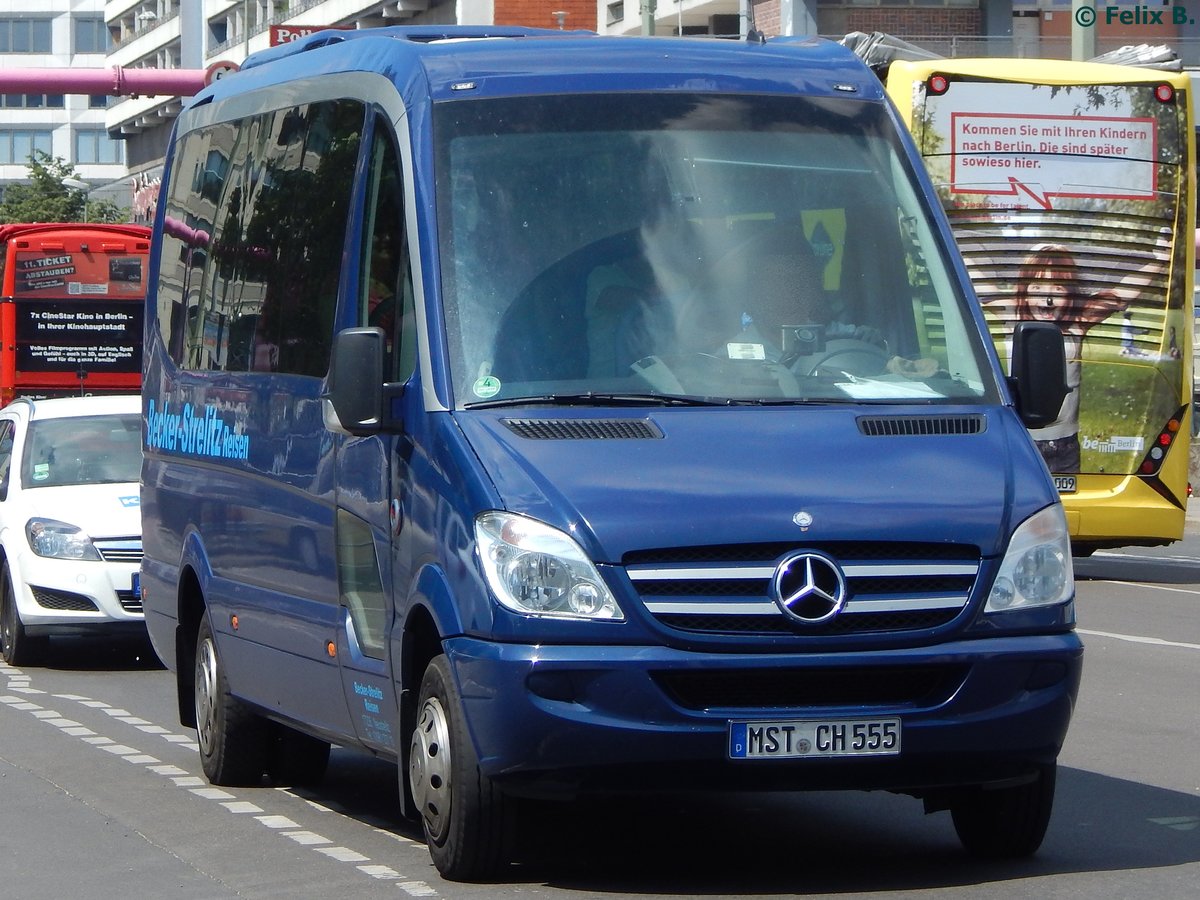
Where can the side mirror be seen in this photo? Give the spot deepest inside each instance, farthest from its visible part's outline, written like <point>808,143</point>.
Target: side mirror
<point>353,402</point>
<point>1038,372</point>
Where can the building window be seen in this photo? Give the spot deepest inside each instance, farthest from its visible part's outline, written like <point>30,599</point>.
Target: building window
<point>18,146</point>
<point>91,35</point>
<point>95,146</point>
<point>98,101</point>
<point>616,12</point>
<point>25,36</point>
<point>32,101</point>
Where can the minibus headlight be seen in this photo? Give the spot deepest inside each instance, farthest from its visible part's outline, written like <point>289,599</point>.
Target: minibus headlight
<point>537,570</point>
<point>1036,570</point>
<point>58,540</point>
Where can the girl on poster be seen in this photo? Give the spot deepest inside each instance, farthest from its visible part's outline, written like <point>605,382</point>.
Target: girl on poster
<point>1048,290</point>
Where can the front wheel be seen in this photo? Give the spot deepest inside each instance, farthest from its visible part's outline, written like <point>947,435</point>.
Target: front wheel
<point>232,738</point>
<point>1006,823</point>
<point>466,818</point>
<point>18,648</point>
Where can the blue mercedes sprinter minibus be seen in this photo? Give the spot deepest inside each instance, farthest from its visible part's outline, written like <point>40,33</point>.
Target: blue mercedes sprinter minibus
<point>553,413</point>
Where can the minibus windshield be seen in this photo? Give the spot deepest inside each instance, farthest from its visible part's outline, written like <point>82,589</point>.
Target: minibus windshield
<point>692,247</point>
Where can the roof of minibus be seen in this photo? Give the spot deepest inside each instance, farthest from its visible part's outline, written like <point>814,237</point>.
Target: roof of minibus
<point>506,62</point>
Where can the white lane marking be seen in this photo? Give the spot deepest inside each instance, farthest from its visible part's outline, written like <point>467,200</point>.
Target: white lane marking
<point>417,889</point>
<point>380,872</point>
<point>1148,586</point>
<point>278,822</point>
<point>1136,639</point>
<point>18,683</point>
<point>242,806</point>
<point>120,749</point>
<point>342,854</point>
<point>212,793</point>
<point>307,838</point>
<point>167,770</point>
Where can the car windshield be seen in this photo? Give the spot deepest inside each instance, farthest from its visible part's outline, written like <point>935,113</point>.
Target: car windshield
<point>82,450</point>
<point>693,248</point>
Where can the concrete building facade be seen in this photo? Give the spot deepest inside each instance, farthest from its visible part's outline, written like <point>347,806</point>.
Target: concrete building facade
<point>58,34</point>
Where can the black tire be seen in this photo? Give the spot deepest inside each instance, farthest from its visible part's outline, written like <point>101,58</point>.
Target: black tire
<point>468,821</point>
<point>1006,823</point>
<point>232,738</point>
<point>296,759</point>
<point>18,648</point>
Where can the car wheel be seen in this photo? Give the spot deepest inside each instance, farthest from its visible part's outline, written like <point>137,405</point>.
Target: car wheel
<point>466,818</point>
<point>232,738</point>
<point>19,649</point>
<point>1006,823</point>
<point>296,759</point>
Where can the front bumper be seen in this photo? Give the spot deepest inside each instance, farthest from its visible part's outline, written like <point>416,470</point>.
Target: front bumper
<point>73,597</point>
<point>552,720</point>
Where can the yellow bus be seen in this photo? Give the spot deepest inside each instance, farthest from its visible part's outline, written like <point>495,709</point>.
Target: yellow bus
<point>1071,190</point>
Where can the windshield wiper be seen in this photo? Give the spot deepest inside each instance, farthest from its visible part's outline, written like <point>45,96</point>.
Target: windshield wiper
<point>597,399</point>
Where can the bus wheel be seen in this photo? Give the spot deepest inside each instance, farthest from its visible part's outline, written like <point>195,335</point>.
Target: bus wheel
<point>18,648</point>
<point>465,816</point>
<point>1006,823</point>
<point>233,739</point>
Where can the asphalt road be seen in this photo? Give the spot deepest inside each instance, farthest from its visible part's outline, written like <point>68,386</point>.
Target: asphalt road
<point>101,795</point>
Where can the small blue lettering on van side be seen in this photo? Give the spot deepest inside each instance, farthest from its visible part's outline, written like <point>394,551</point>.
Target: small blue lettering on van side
<point>194,432</point>
<point>129,502</point>
<point>368,690</point>
<point>378,730</point>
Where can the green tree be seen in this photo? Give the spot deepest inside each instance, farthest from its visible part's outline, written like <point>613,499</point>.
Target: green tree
<point>47,199</point>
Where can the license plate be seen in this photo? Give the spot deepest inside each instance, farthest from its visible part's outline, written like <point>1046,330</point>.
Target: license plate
<point>136,584</point>
<point>1064,483</point>
<point>814,739</point>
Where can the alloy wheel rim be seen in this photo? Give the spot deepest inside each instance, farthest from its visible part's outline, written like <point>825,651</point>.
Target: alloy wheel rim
<point>206,692</point>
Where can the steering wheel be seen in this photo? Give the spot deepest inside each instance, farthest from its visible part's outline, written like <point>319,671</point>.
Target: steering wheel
<point>845,356</point>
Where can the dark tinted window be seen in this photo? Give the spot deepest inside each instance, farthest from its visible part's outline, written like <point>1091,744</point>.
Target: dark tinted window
<point>256,218</point>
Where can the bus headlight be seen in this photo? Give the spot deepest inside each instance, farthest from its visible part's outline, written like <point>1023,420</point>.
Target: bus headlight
<point>537,570</point>
<point>1036,570</point>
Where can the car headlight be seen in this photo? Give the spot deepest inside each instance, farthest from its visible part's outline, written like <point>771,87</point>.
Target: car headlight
<point>537,570</point>
<point>1036,570</point>
<point>58,540</point>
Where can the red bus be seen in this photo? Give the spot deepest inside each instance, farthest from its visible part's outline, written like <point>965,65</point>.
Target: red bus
<point>71,308</point>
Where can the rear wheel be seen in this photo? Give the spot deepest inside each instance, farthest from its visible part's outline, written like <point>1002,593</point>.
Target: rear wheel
<point>19,649</point>
<point>468,822</point>
<point>232,738</point>
<point>1006,823</point>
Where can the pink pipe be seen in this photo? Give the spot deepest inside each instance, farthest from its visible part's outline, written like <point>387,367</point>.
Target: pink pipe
<point>115,81</point>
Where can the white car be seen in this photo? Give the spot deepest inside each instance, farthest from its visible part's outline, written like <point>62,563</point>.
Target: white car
<point>70,521</point>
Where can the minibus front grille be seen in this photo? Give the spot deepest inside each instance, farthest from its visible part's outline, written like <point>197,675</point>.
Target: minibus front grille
<point>891,588</point>
<point>827,687</point>
<point>63,601</point>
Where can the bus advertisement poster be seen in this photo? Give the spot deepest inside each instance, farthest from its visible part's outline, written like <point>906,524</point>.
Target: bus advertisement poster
<point>79,273</point>
<point>66,335</point>
<point>1067,201</point>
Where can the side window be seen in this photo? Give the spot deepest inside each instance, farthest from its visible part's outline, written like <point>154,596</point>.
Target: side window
<point>259,209</point>
<point>6,450</point>
<point>359,584</point>
<point>386,292</point>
